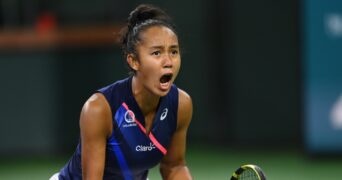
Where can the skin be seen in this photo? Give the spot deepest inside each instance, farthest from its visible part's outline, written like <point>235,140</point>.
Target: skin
<point>158,54</point>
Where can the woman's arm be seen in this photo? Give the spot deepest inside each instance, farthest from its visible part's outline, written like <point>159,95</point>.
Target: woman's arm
<point>96,126</point>
<point>173,165</point>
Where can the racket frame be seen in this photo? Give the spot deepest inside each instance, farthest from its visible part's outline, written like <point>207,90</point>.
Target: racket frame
<point>258,171</point>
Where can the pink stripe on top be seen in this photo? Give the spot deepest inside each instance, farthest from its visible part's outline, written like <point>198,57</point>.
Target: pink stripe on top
<point>151,136</point>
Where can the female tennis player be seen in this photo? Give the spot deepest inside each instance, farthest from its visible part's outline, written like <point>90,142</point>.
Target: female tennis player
<point>136,123</point>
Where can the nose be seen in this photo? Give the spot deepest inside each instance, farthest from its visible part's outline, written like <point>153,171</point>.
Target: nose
<point>168,61</point>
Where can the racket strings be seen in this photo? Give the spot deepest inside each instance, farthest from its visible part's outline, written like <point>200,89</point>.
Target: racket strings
<point>248,174</point>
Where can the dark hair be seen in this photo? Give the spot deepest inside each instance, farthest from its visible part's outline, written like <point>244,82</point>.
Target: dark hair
<point>141,18</point>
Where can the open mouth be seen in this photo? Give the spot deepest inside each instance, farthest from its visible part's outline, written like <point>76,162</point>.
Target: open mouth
<point>165,78</point>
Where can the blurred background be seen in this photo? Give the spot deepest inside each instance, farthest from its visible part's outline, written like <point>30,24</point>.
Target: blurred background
<point>264,77</point>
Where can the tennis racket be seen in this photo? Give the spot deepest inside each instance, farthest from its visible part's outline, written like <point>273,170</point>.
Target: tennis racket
<point>248,172</point>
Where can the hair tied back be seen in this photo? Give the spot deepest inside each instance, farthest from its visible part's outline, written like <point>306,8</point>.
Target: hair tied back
<point>146,12</point>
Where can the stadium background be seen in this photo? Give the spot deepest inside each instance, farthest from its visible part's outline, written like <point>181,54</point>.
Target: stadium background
<point>243,62</point>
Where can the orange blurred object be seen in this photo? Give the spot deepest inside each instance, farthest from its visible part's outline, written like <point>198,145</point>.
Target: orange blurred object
<point>46,22</point>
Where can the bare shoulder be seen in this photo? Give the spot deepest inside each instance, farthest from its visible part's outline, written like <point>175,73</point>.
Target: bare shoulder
<point>96,114</point>
<point>96,102</point>
<point>184,99</point>
<point>184,108</point>
<point>96,105</point>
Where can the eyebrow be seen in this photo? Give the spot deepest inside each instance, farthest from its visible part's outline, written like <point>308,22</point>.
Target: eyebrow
<point>161,47</point>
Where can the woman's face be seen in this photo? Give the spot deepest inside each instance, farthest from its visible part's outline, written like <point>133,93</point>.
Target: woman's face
<point>158,59</point>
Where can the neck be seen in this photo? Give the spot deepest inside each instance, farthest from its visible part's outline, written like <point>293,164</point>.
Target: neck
<point>147,101</point>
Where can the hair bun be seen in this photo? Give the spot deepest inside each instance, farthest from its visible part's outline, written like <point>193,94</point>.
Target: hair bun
<point>145,12</point>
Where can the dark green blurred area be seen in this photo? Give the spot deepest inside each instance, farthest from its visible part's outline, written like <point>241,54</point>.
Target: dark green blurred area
<point>240,64</point>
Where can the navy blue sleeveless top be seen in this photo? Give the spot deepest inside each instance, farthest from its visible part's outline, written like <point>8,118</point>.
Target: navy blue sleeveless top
<point>130,153</point>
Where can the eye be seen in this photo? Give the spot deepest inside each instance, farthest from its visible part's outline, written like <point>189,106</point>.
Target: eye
<point>156,53</point>
<point>174,52</point>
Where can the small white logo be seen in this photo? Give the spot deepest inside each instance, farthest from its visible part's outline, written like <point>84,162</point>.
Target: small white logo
<point>129,116</point>
<point>142,148</point>
<point>334,24</point>
<point>164,114</point>
<point>336,114</point>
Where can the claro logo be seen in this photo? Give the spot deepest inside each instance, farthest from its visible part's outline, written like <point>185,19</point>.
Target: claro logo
<point>142,148</point>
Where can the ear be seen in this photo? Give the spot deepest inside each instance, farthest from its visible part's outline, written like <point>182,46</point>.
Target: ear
<point>132,61</point>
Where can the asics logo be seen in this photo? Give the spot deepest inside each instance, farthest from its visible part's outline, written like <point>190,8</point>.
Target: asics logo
<point>164,114</point>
